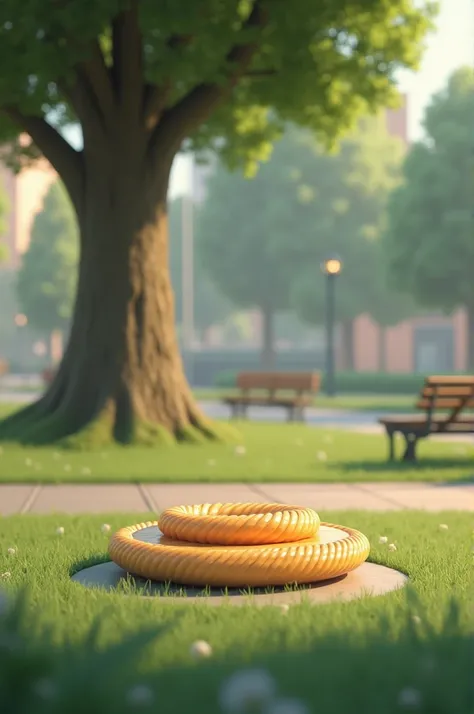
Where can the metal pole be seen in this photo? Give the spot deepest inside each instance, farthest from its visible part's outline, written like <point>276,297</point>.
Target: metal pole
<point>330,318</point>
<point>187,276</point>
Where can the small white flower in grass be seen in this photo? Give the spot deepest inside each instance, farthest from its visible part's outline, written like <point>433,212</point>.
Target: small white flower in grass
<point>416,619</point>
<point>86,471</point>
<point>67,467</point>
<point>44,688</point>
<point>392,547</point>
<point>322,456</point>
<point>105,528</point>
<point>140,695</point>
<point>287,706</point>
<point>443,527</point>
<point>240,450</point>
<point>249,689</point>
<point>211,462</point>
<point>409,698</point>
<point>28,462</point>
<point>284,607</point>
<point>383,540</point>
<point>11,551</point>
<point>60,531</point>
<point>200,649</point>
<point>6,575</point>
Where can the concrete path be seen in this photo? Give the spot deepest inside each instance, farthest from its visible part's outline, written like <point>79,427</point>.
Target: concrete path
<point>140,498</point>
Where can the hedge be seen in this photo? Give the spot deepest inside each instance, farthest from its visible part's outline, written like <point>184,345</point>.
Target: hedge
<point>353,382</point>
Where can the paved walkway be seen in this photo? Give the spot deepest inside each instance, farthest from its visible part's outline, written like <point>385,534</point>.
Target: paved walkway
<point>141,498</point>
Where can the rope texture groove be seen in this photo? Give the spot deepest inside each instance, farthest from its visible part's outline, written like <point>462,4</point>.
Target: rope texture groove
<point>238,545</point>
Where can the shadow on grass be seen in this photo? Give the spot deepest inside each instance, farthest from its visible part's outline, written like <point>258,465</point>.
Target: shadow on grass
<point>129,584</point>
<point>422,668</point>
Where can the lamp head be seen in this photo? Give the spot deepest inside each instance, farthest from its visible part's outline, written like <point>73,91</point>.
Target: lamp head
<point>332,265</point>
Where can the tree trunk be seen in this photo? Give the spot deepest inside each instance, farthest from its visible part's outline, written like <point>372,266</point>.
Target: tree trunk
<point>470,339</point>
<point>121,376</point>
<point>268,339</point>
<point>382,348</point>
<point>348,361</point>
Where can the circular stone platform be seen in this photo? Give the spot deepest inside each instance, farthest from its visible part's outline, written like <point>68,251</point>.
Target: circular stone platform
<point>367,579</point>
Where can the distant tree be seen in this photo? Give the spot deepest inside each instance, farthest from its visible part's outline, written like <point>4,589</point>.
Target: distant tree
<point>210,306</point>
<point>236,232</point>
<point>4,253</point>
<point>47,277</point>
<point>430,236</point>
<point>338,203</point>
<point>388,307</point>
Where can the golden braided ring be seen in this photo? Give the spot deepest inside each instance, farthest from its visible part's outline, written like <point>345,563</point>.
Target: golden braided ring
<point>199,563</point>
<point>239,523</point>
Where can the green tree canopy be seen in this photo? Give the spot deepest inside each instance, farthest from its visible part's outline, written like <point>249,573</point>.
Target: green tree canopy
<point>430,236</point>
<point>210,306</point>
<point>47,277</point>
<point>145,79</point>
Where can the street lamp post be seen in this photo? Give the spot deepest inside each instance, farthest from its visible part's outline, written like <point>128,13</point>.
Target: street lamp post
<point>331,267</point>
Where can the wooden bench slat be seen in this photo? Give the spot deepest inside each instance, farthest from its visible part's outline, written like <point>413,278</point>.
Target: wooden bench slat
<point>448,391</point>
<point>450,380</point>
<point>445,403</point>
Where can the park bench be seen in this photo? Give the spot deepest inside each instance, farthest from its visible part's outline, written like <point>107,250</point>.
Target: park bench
<point>447,405</point>
<point>291,390</point>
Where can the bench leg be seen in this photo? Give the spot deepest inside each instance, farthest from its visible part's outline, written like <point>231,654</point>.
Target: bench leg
<point>391,445</point>
<point>411,441</point>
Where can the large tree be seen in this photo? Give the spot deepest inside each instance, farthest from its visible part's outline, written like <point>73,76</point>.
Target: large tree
<point>47,277</point>
<point>238,225</point>
<point>141,78</point>
<point>430,236</point>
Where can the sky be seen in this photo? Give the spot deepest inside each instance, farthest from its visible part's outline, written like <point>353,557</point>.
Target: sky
<point>451,46</point>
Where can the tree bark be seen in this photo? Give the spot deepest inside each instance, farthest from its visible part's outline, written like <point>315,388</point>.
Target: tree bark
<point>121,376</point>
<point>268,339</point>
<point>382,348</point>
<point>348,360</point>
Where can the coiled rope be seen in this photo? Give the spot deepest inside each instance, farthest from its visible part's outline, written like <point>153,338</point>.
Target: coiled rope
<point>238,545</point>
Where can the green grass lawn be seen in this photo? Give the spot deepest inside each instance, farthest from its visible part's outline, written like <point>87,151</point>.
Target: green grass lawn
<point>273,452</point>
<point>361,656</point>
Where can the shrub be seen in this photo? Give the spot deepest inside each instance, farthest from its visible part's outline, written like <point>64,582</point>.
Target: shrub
<point>353,382</point>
